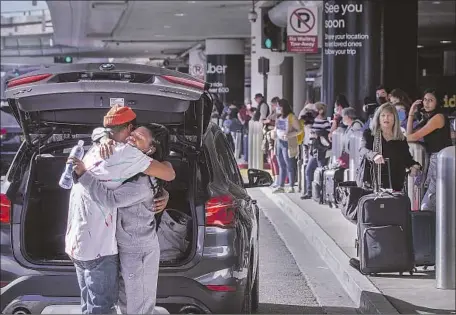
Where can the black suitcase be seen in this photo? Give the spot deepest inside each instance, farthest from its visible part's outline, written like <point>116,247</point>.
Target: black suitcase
<point>423,232</point>
<point>332,178</point>
<point>385,233</point>
<point>317,184</point>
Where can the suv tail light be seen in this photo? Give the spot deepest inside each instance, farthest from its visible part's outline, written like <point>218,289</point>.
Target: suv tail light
<point>5,209</point>
<point>220,211</point>
<point>3,133</point>
<point>185,82</point>
<point>28,80</point>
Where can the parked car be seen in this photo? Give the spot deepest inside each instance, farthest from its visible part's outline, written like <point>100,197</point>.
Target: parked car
<point>10,138</point>
<point>219,273</point>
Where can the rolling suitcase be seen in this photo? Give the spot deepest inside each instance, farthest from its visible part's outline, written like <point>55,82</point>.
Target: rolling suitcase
<point>423,232</point>
<point>385,231</point>
<point>332,178</point>
<point>317,184</point>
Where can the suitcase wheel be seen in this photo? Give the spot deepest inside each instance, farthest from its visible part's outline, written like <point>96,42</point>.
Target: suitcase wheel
<point>425,267</point>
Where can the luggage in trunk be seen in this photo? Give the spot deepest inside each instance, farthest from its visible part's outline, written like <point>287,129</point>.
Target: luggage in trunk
<point>332,178</point>
<point>317,184</point>
<point>385,232</point>
<point>423,231</point>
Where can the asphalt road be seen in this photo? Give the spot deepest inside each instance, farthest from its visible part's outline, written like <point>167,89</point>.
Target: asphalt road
<point>283,289</point>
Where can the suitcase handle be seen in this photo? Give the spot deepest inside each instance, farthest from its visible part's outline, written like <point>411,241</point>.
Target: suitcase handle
<point>378,180</point>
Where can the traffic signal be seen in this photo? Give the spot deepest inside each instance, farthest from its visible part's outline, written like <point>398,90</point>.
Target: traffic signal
<point>272,36</point>
<point>63,59</point>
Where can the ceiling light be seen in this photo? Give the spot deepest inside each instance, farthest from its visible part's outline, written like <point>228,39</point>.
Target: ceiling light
<point>445,41</point>
<point>436,2</point>
<point>159,35</point>
<point>179,14</point>
<point>167,26</point>
<point>419,46</point>
<point>315,64</point>
<point>192,2</point>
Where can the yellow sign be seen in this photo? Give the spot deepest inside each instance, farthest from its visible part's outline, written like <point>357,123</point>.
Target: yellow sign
<point>449,102</point>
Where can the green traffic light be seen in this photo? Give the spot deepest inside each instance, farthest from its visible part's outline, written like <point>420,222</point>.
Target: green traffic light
<point>268,43</point>
<point>68,59</point>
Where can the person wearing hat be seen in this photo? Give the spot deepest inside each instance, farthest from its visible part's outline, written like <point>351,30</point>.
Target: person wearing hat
<point>90,239</point>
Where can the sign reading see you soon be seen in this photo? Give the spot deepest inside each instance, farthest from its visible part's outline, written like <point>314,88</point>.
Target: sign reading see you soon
<point>302,30</point>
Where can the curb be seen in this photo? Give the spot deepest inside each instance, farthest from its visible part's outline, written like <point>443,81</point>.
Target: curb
<point>361,290</point>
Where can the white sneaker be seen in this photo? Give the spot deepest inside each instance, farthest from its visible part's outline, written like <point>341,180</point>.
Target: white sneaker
<point>278,190</point>
<point>291,190</point>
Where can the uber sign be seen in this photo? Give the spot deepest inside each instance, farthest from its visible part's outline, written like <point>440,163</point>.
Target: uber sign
<point>225,73</point>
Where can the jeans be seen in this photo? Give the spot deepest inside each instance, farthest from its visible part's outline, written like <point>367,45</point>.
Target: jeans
<point>99,284</point>
<point>429,198</point>
<point>286,164</point>
<point>138,284</point>
<point>312,165</point>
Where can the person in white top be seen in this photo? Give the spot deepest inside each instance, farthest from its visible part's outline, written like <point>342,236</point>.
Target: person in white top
<point>90,239</point>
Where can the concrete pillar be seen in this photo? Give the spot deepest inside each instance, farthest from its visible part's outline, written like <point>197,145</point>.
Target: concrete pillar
<point>299,82</point>
<point>400,66</point>
<point>225,68</point>
<point>351,53</point>
<point>361,41</point>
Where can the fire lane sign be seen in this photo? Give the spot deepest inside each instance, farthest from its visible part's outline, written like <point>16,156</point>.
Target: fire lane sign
<point>302,30</point>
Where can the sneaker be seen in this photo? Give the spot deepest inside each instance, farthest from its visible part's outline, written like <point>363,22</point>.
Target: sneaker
<point>278,190</point>
<point>306,196</point>
<point>291,190</point>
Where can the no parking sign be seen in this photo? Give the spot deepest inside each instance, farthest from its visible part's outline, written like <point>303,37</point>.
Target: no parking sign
<point>302,29</point>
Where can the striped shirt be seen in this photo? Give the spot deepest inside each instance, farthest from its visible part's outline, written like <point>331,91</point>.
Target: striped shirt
<point>320,125</point>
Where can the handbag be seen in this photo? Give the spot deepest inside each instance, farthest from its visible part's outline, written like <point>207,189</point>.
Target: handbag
<point>347,197</point>
<point>349,193</point>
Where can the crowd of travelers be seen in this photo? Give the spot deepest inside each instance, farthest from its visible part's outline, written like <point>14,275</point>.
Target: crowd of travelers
<point>302,143</point>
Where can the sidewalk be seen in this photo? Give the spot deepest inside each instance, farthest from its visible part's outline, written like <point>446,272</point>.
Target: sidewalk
<point>333,237</point>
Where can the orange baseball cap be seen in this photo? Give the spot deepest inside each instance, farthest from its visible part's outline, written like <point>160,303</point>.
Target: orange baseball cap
<point>118,115</point>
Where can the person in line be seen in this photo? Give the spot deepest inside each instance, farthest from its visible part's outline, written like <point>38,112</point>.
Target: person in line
<point>318,147</point>
<point>285,133</point>
<point>262,109</point>
<point>340,104</point>
<point>353,124</point>
<point>402,102</point>
<point>385,140</point>
<point>139,250</point>
<point>90,240</point>
<point>269,124</point>
<point>436,132</point>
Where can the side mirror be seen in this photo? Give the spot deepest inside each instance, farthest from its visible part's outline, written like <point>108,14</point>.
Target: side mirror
<point>258,178</point>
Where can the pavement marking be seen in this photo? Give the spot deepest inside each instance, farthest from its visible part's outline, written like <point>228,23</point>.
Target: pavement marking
<point>324,285</point>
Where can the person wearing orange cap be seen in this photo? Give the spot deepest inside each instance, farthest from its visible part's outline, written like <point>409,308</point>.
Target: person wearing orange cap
<point>91,230</point>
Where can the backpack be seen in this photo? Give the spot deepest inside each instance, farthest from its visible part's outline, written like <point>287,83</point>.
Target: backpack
<point>300,135</point>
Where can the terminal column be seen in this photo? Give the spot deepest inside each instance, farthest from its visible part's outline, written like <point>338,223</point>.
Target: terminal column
<point>225,69</point>
<point>351,51</point>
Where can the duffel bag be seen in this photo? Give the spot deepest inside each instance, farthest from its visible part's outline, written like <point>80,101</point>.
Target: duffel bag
<point>347,197</point>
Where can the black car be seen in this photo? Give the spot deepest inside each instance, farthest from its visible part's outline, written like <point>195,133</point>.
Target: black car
<point>59,105</point>
<point>10,138</point>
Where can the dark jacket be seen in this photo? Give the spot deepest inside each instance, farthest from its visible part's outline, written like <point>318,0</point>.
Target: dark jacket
<point>398,153</point>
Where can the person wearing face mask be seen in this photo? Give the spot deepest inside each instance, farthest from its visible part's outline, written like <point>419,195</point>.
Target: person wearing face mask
<point>436,132</point>
<point>402,102</point>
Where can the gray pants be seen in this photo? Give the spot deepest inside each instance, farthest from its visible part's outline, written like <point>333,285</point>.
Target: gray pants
<point>429,202</point>
<point>139,276</point>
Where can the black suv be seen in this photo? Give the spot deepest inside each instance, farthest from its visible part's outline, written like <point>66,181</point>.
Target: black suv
<point>59,105</point>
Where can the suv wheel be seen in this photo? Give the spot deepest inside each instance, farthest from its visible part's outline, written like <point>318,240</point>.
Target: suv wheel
<point>256,290</point>
<point>247,305</point>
